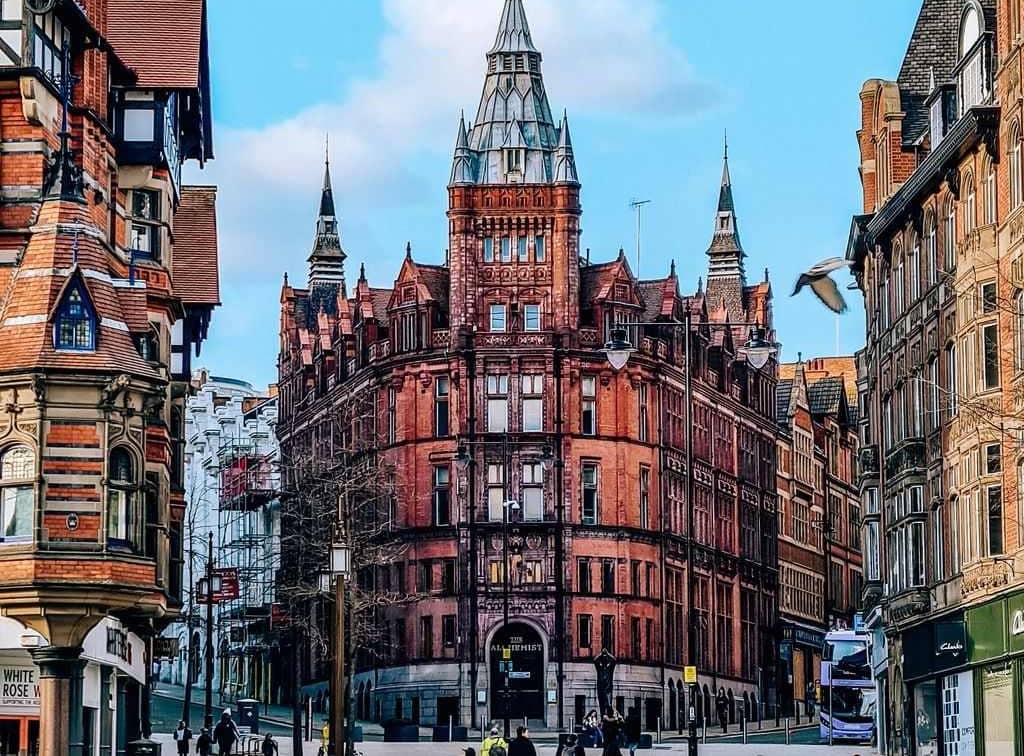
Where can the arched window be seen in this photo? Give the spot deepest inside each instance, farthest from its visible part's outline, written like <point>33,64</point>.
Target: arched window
<point>970,203</point>
<point>17,493</point>
<point>76,321</point>
<point>898,284</point>
<point>914,266</point>
<point>990,192</point>
<point>949,238</point>
<point>930,249</point>
<point>122,520</point>
<point>1015,177</point>
<point>970,29</point>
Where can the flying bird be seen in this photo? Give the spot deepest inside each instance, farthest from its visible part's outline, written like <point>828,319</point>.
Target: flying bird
<point>822,285</point>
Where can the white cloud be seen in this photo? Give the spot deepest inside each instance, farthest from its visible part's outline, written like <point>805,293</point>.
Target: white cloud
<point>608,57</point>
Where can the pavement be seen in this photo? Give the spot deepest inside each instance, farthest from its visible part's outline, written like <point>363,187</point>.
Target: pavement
<point>768,741</point>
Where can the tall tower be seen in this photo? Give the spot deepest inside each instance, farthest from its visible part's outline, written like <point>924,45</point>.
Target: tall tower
<point>514,204</point>
<point>327,261</point>
<point>726,277</point>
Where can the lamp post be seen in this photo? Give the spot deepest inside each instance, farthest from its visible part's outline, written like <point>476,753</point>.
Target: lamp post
<point>758,351</point>
<point>207,588</point>
<point>340,730</point>
<point>465,463</point>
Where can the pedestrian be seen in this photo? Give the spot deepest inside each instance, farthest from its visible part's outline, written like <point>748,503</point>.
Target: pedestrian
<point>204,744</point>
<point>494,745</point>
<point>269,746</point>
<point>634,728</point>
<point>226,734</point>
<point>722,707</point>
<point>572,747</point>
<point>809,698</point>
<point>522,745</point>
<point>592,729</point>
<point>325,736</point>
<point>611,731</point>
<point>183,737</point>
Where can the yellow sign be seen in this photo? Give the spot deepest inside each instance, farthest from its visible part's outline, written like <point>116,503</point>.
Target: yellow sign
<point>506,653</point>
<point>689,674</point>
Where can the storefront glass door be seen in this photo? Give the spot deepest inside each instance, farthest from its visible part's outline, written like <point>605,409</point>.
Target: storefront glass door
<point>997,710</point>
<point>10,737</point>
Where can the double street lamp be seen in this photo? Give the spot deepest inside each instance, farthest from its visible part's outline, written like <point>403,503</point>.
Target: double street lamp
<point>463,463</point>
<point>341,719</point>
<point>757,351</point>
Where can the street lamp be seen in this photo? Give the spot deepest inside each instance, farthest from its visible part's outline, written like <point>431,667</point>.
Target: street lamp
<point>758,351</point>
<point>207,588</point>
<point>339,569</point>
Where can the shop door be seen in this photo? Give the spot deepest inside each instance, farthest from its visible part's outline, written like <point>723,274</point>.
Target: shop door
<point>33,737</point>
<point>10,737</point>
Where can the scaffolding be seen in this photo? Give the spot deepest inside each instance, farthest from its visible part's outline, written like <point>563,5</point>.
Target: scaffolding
<point>248,524</point>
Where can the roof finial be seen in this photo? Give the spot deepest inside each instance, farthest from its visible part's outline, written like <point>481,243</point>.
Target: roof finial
<point>286,278</point>
<point>727,144</point>
<point>622,253</point>
<point>766,275</point>
<point>362,272</point>
<point>327,148</point>
<point>700,285</point>
<point>799,357</point>
<point>408,250</point>
<point>672,268</point>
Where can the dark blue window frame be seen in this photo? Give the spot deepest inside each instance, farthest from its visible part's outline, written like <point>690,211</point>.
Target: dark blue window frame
<point>75,327</point>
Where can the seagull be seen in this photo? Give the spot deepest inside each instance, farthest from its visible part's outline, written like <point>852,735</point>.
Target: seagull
<point>822,284</point>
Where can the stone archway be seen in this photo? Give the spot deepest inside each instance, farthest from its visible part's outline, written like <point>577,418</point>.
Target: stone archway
<point>516,657</point>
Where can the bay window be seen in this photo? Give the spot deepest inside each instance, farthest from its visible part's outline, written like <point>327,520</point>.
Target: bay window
<point>144,225</point>
<point>123,526</point>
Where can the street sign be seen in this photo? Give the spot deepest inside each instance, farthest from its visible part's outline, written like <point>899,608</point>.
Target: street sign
<point>689,675</point>
<point>165,648</point>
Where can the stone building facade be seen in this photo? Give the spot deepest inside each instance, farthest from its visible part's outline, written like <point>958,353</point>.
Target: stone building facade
<point>490,395</point>
<point>819,514</point>
<point>108,276</point>
<point>938,253</point>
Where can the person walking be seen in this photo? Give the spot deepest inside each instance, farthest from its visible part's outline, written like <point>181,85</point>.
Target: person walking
<point>204,743</point>
<point>722,707</point>
<point>611,730</point>
<point>494,744</point>
<point>572,747</point>
<point>522,745</point>
<point>634,729</point>
<point>269,746</point>
<point>183,737</point>
<point>226,734</point>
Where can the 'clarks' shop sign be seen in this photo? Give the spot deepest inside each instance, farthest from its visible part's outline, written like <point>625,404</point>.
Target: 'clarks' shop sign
<point>19,688</point>
<point>950,644</point>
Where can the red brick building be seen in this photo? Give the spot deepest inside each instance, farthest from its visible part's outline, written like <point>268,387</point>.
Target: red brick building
<point>492,360</point>
<point>819,514</point>
<point>108,276</point>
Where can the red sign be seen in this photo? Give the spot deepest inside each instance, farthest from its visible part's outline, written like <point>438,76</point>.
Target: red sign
<point>277,615</point>
<point>228,586</point>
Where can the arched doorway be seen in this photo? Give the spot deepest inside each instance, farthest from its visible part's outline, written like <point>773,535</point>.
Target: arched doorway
<point>517,665</point>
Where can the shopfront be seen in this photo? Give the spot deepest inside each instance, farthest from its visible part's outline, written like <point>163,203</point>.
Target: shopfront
<point>19,706</point>
<point>995,634</point>
<point>940,688</point>
<point>800,660</point>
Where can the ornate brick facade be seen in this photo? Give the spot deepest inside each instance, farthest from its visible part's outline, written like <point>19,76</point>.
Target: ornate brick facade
<point>492,361</point>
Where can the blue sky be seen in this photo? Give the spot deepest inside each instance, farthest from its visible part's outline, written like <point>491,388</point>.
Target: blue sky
<point>650,86</point>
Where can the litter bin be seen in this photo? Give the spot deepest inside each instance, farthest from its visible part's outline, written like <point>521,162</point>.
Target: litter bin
<point>249,714</point>
<point>143,748</point>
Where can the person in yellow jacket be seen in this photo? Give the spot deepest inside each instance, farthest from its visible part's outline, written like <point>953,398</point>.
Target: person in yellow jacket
<point>494,745</point>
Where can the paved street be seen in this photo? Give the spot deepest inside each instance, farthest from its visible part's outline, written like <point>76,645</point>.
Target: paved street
<point>458,749</point>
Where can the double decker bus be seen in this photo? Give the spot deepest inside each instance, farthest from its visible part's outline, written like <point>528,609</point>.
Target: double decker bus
<point>848,697</point>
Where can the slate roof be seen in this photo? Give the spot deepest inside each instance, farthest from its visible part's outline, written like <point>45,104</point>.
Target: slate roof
<point>783,392</point>
<point>195,267</point>
<point>161,40</point>
<point>824,396</point>
<point>933,46</point>
<point>437,281</point>
<point>596,278</point>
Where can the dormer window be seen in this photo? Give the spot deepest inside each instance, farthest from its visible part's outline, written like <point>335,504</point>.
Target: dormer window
<point>507,62</point>
<point>520,62</point>
<point>75,327</point>
<point>144,226</point>
<point>972,72</point>
<point>139,116</point>
<point>514,159</point>
<point>970,29</point>
<point>48,37</point>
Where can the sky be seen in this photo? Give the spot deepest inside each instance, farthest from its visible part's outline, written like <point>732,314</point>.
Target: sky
<point>650,86</point>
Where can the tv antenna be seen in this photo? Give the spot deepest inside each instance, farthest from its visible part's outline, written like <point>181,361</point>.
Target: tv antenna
<point>638,206</point>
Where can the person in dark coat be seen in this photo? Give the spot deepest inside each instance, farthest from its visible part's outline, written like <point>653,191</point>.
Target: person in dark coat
<point>634,729</point>
<point>522,745</point>
<point>226,734</point>
<point>204,743</point>
<point>611,729</point>
<point>722,707</point>
<point>268,747</point>
<point>572,747</point>
<point>183,737</point>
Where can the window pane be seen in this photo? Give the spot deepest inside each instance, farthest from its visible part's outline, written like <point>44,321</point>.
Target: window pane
<point>522,248</point>
<point>533,414</point>
<point>488,249</point>
<point>18,464</point>
<point>506,249</point>
<point>497,415</point>
<point>533,504</point>
<point>495,504</point>
<point>991,356</point>
<point>532,317</point>
<point>497,317</point>
<point>139,125</point>
<point>538,249</point>
<point>16,512</point>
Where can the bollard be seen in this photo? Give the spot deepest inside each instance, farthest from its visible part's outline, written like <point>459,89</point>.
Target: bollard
<point>796,707</point>
<point>777,709</point>
<point>659,730</point>
<point>743,725</point>
<point>451,727</point>
<point>760,719</point>
<point>787,730</point>
<point>704,731</point>
<point>572,723</point>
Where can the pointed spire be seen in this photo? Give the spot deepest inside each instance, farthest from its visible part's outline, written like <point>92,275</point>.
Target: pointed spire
<point>565,159</point>
<point>513,30</point>
<point>463,165</point>
<point>672,269</point>
<point>408,250</point>
<point>725,200</point>
<point>327,260</point>
<point>327,191</point>
<point>362,272</point>
<point>726,277</point>
<point>700,285</point>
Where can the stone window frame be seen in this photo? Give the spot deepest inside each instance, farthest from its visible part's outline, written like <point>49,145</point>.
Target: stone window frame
<point>18,485</point>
